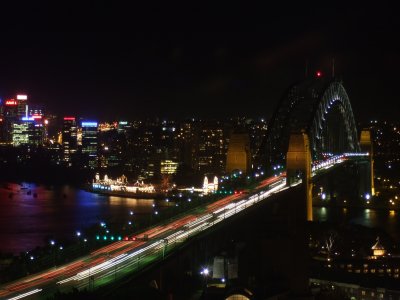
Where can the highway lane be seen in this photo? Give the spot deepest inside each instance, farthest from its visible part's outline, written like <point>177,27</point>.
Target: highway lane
<point>123,256</point>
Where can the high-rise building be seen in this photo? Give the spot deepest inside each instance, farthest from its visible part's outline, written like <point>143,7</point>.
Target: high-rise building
<point>27,131</point>
<point>69,138</point>
<point>37,133</point>
<point>186,144</point>
<point>89,142</point>
<point>10,116</point>
<point>22,104</point>
<point>20,133</point>
<point>168,167</point>
<point>123,126</point>
<point>112,146</point>
<point>211,153</point>
<point>36,111</point>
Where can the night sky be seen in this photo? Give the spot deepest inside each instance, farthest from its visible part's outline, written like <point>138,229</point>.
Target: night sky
<point>107,63</point>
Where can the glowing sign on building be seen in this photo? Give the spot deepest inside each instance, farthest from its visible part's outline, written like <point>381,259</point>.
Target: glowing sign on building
<point>27,119</point>
<point>89,124</point>
<point>22,97</point>
<point>36,117</point>
<point>69,118</point>
<point>11,102</point>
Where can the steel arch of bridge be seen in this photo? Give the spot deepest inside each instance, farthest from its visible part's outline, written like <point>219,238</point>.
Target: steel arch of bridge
<point>320,109</point>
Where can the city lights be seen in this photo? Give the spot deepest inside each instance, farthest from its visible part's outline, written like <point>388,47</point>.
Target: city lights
<point>22,97</point>
<point>89,124</point>
<point>216,163</point>
<point>11,103</point>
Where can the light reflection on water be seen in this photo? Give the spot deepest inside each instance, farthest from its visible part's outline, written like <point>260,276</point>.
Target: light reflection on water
<point>26,220</point>
<point>382,218</point>
<point>30,213</point>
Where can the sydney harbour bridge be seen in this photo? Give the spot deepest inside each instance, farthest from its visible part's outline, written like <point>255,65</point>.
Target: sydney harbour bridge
<point>311,132</point>
<point>312,129</point>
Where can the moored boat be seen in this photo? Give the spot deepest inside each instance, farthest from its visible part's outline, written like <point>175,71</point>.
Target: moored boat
<point>121,187</point>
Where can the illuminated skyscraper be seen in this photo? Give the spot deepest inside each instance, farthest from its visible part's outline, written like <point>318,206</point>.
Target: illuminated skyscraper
<point>211,149</point>
<point>36,111</point>
<point>10,116</point>
<point>89,142</point>
<point>20,133</point>
<point>69,138</point>
<point>37,132</point>
<point>22,105</point>
<point>27,131</point>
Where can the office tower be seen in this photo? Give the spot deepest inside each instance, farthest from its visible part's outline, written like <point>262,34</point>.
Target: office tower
<point>10,116</point>
<point>69,138</point>
<point>211,151</point>
<point>22,106</point>
<point>89,142</point>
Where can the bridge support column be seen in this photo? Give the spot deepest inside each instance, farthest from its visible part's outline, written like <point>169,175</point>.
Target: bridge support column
<point>298,164</point>
<point>366,146</point>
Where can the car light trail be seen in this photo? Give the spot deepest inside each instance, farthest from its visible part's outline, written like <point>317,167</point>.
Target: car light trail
<point>25,294</point>
<point>129,254</point>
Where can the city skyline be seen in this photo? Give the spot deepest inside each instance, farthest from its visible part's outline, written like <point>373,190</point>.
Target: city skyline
<point>199,152</point>
<point>156,70</point>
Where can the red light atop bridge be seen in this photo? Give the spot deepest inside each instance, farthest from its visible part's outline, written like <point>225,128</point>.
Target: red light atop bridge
<point>319,73</point>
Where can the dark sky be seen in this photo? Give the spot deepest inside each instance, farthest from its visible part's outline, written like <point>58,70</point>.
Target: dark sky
<point>115,62</point>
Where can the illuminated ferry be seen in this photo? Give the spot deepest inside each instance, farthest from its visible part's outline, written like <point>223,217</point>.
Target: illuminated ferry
<point>121,187</point>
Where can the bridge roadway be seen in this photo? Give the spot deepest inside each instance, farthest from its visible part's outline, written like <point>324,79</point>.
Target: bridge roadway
<point>122,257</point>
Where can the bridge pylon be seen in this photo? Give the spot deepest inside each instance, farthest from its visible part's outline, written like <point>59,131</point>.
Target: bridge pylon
<point>238,156</point>
<point>366,146</point>
<point>298,164</point>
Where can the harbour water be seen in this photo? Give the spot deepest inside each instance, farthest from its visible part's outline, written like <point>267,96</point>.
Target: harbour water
<point>29,213</point>
<point>387,220</point>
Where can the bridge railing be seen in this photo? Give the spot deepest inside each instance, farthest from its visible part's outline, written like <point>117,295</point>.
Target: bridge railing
<point>156,249</point>
<point>336,159</point>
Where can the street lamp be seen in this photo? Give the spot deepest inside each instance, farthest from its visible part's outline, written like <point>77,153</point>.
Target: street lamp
<point>205,272</point>
<point>52,243</point>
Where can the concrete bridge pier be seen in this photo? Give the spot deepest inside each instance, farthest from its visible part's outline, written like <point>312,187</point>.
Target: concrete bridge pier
<point>367,167</point>
<point>298,165</point>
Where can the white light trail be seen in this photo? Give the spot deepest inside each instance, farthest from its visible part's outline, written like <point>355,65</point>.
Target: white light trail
<point>25,294</point>
<point>200,224</point>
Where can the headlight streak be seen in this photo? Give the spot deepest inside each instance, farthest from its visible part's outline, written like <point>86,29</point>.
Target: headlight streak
<point>200,224</point>
<point>25,294</point>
